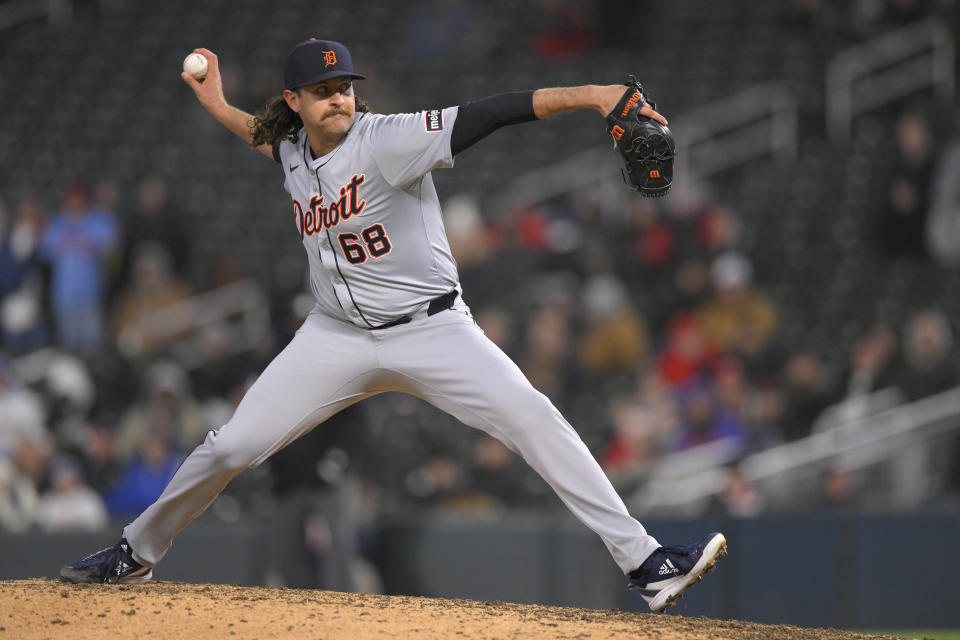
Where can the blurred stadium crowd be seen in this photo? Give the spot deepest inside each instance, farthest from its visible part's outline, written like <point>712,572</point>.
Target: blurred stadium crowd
<point>654,329</point>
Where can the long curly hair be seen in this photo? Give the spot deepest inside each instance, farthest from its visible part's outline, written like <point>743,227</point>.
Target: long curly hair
<point>277,122</point>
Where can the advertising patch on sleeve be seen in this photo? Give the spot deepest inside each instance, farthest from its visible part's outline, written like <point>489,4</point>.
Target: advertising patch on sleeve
<point>434,120</point>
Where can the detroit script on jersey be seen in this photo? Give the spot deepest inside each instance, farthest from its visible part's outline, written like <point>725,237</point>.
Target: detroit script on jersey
<point>318,216</point>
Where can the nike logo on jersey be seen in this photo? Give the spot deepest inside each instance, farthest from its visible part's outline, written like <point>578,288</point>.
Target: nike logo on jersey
<point>294,166</point>
<point>317,217</point>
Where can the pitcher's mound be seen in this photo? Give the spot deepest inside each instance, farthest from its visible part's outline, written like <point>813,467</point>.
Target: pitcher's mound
<point>44,608</point>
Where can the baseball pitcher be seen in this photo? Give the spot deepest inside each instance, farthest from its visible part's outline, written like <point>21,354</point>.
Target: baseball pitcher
<point>390,314</point>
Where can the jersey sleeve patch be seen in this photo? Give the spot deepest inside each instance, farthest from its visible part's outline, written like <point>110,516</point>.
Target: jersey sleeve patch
<point>434,120</point>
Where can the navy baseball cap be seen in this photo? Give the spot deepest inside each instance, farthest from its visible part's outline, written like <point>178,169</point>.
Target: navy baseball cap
<point>314,61</point>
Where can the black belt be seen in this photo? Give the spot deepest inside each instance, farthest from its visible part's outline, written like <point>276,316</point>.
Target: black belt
<point>437,305</point>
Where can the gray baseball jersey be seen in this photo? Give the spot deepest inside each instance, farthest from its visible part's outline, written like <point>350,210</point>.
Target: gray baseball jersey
<point>369,216</point>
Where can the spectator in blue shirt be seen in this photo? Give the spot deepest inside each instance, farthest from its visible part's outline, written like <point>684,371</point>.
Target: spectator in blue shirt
<point>143,480</point>
<point>76,242</point>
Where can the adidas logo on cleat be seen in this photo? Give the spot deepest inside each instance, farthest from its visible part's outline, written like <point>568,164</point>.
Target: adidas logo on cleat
<point>667,568</point>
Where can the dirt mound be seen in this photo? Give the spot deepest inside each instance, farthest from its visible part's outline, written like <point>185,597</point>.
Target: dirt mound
<point>49,609</point>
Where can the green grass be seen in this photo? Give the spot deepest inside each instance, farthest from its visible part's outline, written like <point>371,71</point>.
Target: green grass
<point>936,634</point>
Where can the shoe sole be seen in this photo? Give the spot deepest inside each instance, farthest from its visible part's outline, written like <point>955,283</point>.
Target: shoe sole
<point>712,553</point>
<point>80,576</point>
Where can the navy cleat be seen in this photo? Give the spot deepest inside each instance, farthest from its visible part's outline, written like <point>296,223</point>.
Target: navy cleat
<point>663,577</point>
<point>113,565</point>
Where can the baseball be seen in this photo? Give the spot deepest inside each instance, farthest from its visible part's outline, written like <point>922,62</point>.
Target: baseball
<point>196,65</point>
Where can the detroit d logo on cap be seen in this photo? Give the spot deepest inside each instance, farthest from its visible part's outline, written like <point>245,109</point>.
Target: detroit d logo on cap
<point>329,58</point>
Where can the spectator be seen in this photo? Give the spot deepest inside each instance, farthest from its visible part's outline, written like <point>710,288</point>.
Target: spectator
<point>656,245</point>
<point>76,243</point>
<point>463,222</point>
<point>903,220</point>
<point>658,397</point>
<point>615,339</point>
<point>31,456</point>
<point>688,355</point>
<point>17,249</point>
<point>530,226</point>
<point>143,479</point>
<point>69,393</point>
<point>499,478</point>
<point>871,362</point>
<point>227,269</point>
<point>497,326</point>
<point>471,247</point>
<point>806,394</point>
<point>837,491</point>
<point>735,398</point>
<point>140,331</point>
<point>636,442</point>
<point>546,362</point>
<point>69,505</point>
<point>740,498</point>
<point>23,433</point>
<point>166,410</point>
<point>672,294</point>
<point>718,230</point>
<point>22,280</point>
<point>440,480</point>
<point>100,467</point>
<point>739,318</point>
<point>156,220</point>
<point>223,368</point>
<point>18,498</point>
<point>564,29</point>
<point>929,363</point>
<point>871,384</point>
<point>703,421</point>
